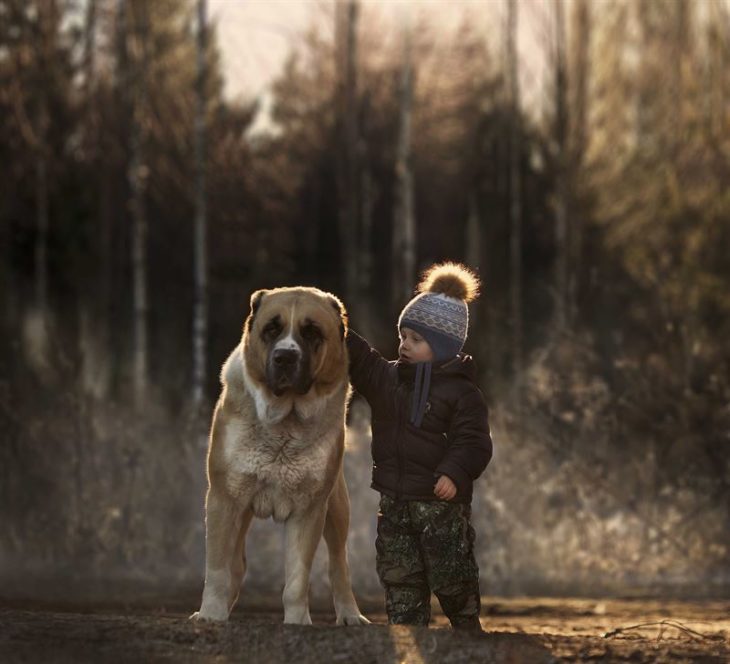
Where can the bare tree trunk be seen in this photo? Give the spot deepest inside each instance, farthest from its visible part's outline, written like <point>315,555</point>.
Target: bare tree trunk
<point>675,128</point>
<point>139,265</point>
<point>645,119</point>
<point>404,226</point>
<point>368,194</point>
<point>581,35</point>
<point>200,313</point>
<point>135,76</point>
<point>473,234</point>
<point>346,37</point>
<point>474,260</point>
<point>515,201</point>
<point>42,221</point>
<point>39,334</point>
<point>365,245</point>
<point>719,24</point>
<point>8,292</point>
<point>89,46</point>
<point>93,338</point>
<point>683,29</point>
<point>562,203</point>
<point>91,353</point>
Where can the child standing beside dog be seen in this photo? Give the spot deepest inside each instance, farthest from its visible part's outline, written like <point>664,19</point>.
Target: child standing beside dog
<point>431,440</point>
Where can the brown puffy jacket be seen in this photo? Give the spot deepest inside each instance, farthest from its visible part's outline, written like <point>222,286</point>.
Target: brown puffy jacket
<point>452,438</point>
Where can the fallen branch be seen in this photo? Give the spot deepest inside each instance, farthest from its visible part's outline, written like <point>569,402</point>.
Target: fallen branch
<point>662,623</point>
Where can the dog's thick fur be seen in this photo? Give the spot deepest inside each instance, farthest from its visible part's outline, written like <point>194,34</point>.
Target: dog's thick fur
<point>276,449</point>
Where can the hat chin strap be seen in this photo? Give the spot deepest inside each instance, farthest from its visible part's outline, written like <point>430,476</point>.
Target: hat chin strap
<point>420,392</point>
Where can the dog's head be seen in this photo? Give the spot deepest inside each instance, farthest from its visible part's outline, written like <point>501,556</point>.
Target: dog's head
<point>294,338</point>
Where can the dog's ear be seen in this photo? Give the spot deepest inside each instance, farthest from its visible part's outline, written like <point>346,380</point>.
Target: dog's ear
<point>341,311</point>
<point>256,300</point>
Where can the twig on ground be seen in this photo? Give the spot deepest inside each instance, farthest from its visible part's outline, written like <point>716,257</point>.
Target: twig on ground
<point>662,623</point>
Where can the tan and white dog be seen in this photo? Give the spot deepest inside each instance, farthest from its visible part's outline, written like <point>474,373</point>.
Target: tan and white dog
<point>276,449</point>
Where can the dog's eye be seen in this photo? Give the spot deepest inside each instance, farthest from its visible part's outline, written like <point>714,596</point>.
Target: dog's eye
<point>271,330</point>
<point>311,333</point>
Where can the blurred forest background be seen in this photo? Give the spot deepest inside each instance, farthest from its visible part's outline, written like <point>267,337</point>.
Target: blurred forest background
<point>141,206</point>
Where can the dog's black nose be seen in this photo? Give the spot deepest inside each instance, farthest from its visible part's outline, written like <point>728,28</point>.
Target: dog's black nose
<point>285,357</point>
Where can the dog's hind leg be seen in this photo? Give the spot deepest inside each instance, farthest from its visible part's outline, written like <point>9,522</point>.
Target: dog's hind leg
<point>336,525</point>
<point>223,521</point>
<point>303,532</point>
<point>238,563</point>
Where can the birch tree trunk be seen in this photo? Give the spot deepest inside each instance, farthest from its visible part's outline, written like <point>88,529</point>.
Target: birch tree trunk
<point>346,18</point>
<point>682,31</point>
<point>139,263</point>
<point>39,333</point>
<point>717,68</point>
<point>645,118</point>
<point>473,233</point>
<point>42,218</point>
<point>368,195</point>
<point>94,350</point>
<point>474,260</point>
<point>134,72</point>
<point>404,226</point>
<point>515,207</point>
<point>580,49</point>
<point>562,202</point>
<point>200,313</point>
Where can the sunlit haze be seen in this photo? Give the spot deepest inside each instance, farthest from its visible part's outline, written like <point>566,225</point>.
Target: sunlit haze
<point>256,36</point>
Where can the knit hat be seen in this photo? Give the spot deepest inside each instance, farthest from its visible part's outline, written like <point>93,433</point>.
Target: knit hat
<point>439,312</point>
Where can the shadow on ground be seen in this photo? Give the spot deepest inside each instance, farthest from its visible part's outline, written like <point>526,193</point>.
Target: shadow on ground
<point>530,630</point>
<point>73,637</point>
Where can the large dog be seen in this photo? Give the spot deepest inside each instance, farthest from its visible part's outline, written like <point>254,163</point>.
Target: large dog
<point>276,448</point>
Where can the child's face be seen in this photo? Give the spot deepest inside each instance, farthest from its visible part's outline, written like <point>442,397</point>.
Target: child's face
<point>413,347</point>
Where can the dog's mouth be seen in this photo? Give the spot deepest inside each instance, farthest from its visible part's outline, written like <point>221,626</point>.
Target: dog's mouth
<point>283,386</point>
<point>280,387</point>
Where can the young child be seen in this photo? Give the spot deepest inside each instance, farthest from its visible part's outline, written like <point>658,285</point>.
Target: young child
<point>430,442</point>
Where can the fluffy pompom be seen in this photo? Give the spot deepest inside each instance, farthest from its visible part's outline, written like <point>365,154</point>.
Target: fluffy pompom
<point>452,279</point>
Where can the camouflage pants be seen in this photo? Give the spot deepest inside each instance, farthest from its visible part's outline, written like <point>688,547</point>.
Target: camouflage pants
<point>425,546</point>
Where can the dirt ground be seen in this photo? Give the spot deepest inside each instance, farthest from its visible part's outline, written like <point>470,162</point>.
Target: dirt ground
<point>528,630</point>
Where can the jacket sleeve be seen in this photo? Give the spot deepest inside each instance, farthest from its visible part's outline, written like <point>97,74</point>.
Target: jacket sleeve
<point>367,367</point>
<point>470,442</point>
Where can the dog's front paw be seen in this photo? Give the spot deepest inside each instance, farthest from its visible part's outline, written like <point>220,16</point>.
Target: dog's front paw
<point>209,616</point>
<point>352,618</point>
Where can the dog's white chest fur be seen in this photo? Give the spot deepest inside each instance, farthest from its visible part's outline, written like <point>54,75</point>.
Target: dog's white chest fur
<point>279,472</point>
<point>280,465</point>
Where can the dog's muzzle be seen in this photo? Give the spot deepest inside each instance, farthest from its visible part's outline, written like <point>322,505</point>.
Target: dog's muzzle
<point>286,370</point>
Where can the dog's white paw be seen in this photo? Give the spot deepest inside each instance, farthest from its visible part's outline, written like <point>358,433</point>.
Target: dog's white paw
<point>352,618</point>
<point>209,616</point>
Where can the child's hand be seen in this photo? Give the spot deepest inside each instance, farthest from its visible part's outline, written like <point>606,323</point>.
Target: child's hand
<point>445,488</point>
